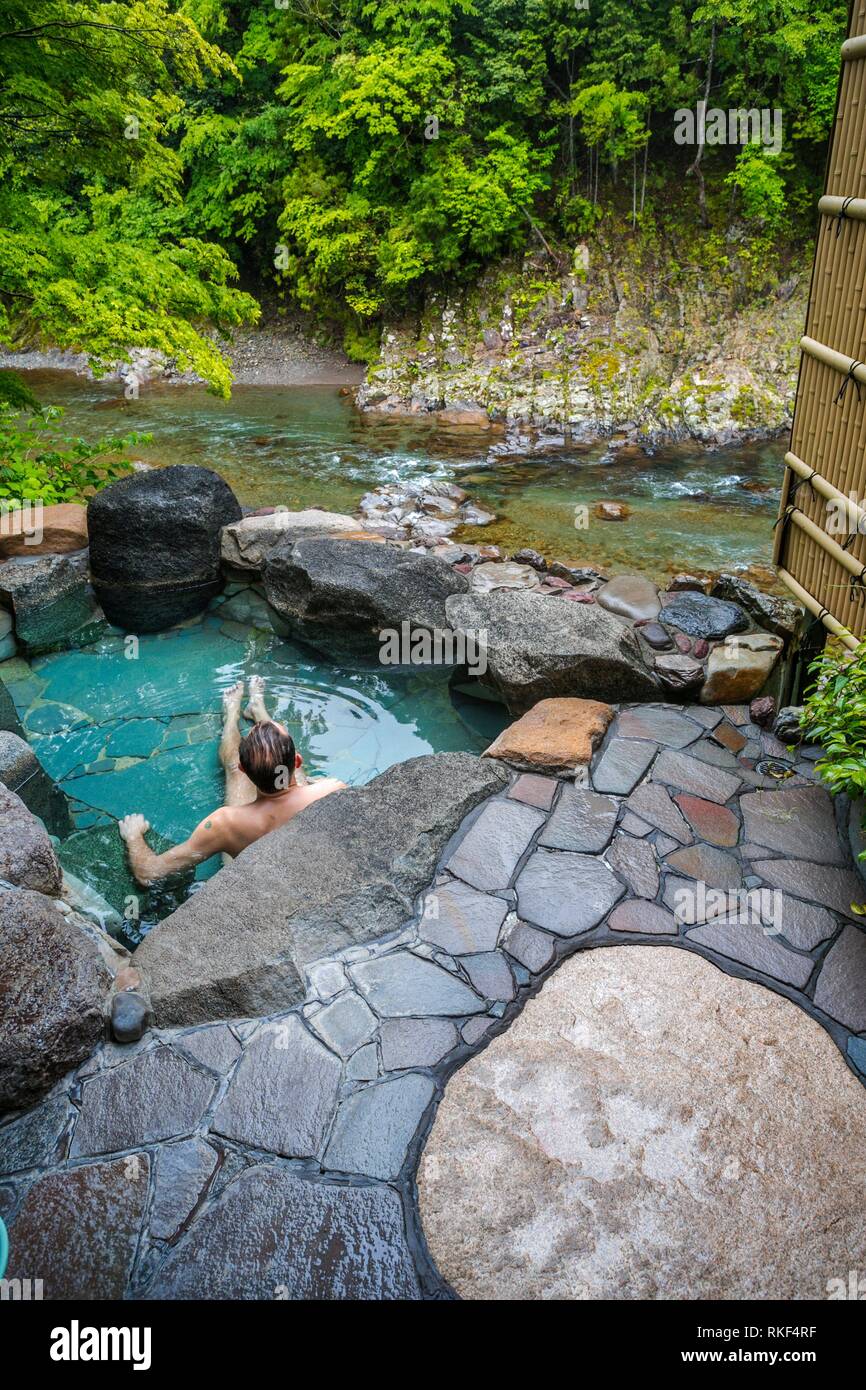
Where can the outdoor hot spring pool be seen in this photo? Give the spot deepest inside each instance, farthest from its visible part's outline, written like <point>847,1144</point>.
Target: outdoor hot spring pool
<point>121,733</point>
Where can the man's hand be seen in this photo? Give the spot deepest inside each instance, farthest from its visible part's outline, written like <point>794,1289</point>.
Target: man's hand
<point>133,827</point>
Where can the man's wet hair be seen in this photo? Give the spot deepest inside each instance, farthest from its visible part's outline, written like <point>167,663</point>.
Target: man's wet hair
<point>267,756</point>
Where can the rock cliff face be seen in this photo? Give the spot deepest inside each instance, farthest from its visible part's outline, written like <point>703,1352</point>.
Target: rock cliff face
<point>622,341</point>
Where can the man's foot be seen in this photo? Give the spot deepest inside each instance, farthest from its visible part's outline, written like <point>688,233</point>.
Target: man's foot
<point>255,710</point>
<point>232,700</point>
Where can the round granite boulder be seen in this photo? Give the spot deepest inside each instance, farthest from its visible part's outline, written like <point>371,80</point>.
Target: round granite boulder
<point>649,1128</point>
<point>155,545</point>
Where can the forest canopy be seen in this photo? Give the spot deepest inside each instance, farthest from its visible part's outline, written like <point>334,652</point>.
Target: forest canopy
<point>346,156</point>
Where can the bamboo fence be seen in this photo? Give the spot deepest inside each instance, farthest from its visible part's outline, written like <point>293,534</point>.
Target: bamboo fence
<point>821,533</point>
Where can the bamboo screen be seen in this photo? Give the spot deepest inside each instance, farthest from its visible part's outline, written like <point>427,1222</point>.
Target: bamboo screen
<point>821,534</point>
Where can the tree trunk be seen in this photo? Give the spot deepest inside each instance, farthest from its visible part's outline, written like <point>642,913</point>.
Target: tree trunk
<point>695,168</point>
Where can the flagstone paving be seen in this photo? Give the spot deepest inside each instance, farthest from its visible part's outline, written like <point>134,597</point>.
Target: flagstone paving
<point>276,1158</point>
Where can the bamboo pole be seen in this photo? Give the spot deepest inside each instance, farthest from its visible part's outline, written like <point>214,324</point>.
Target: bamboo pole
<point>831,205</point>
<point>817,611</point>
<point>837,361</point>
<point>852,49</point>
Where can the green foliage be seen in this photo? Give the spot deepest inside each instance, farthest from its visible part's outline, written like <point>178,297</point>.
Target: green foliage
<point>834,715</point>
<point>759,176</point>
<point>38,462</point>
<point>93,255</point>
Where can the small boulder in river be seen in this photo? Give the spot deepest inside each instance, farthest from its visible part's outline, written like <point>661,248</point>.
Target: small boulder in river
<point>611,511</point>
<point>155,545</point>
<point>702,616</point>
<point>631,596</point>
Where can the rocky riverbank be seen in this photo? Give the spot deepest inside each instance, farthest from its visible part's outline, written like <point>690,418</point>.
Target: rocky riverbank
<point>623,342</point>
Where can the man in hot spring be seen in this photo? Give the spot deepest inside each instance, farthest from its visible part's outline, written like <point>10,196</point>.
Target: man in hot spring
<point>265,787</point>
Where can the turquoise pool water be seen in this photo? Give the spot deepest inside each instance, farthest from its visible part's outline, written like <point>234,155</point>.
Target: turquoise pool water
<point>122,734</point>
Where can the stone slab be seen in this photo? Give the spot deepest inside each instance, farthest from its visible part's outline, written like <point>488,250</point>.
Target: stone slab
<point>489,852</point>
<point>566,894</point>
<point>583,821</point>
<point>375,1126</point>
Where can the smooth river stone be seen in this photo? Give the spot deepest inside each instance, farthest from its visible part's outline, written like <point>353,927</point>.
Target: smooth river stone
<point>631,597</point>
<point>631,1161</point>
<point>702,616</point>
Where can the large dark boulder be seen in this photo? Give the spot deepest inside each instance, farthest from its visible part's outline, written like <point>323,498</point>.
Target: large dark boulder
<point>155,545</point>
<point>538,648</point>
<point>698,615</point>
<point>345,871</point>
<point>53,983</point>
<point>340,594</point>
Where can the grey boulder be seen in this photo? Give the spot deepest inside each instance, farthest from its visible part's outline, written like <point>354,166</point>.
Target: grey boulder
<point>53,601</point>
<point>27,858</point>
<point>345,871</point>
<point>702,616</point>
<point>538,647</point>
<point>53,983</point>
<point>22,773</point>
<point>339,593</point>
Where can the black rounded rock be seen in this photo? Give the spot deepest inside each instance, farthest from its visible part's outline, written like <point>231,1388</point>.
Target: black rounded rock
<point>129,1012</point>
<point>702,616</point>
<point>155,545</point>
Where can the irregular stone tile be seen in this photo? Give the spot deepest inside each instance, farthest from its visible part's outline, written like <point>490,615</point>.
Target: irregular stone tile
<point>37,1139</point>
<point>346,1024</point>
<point>374,1127</point>
<point>336,1244</point>
<point>77,1230</point>
<point>631,596</point>
<point>490,850</point>
<point>566,893</point>
<point>401,986</point>
<point>709,865</point>
<point>715,754</point>
<point>819,883</point>
<point>798,822</point>
<point>803,924</point>
<point>158,1095</point>
<point>653,803</point>
<point>710,821</point>
<point>633,825</point>
<point>531,948</point>
<point>857,1053</point>
<point>729,737</point>
<point>749,944</point>
<point>635,861</point>
<point>708,715</point>
<point>474,1030</point>
<point>693,902</point>
<point>459,919</point>
<point>215,1047</point>
<point>182,1170</point>
<point>284,1092</point>
<point>534,791</point>
<point>622,765</point>
<point>326,978</point>
<point>663,844</point>
<point>841,987</point>
<point>712,1129</point>
<point>556,735</point>
<point>416,1042</point>
<point>633,916</point>
<point>490,975</point>
<point>688,774</point>
<point>583,820</point>
<point>664,726</point>
<point>364,1066</point>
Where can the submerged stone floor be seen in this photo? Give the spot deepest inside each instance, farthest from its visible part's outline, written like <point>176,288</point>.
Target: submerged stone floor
<point>277,1158</point>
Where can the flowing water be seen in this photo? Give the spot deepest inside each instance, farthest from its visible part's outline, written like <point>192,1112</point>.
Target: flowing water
<point>304,446</point>
<point>122,735</point>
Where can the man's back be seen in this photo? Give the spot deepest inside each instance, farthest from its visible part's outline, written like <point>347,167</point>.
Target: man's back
<point>240,826</point>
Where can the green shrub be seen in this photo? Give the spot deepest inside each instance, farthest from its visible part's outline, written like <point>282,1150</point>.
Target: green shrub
<point>39,463</point>
<point>834,715</point>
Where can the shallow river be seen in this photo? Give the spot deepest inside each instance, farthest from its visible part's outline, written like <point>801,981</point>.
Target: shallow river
<point>306,445</point>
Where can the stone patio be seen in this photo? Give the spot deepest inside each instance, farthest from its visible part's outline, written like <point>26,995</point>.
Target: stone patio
<point>276,1158</point>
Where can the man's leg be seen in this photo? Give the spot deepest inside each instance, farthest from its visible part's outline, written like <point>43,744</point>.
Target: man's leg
<point>256,710</point>
<point>239,789</point>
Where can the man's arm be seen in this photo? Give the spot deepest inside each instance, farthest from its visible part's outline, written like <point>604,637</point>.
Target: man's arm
<point>147,867</point>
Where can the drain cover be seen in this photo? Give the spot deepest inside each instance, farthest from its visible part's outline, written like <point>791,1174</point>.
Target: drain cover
<point>774,767</point>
